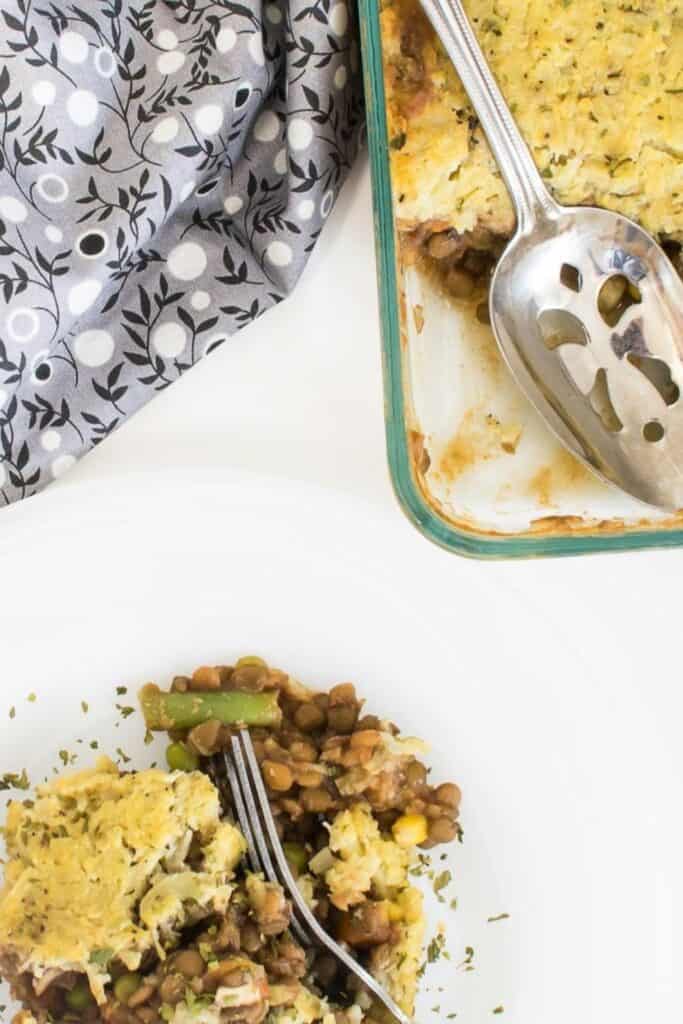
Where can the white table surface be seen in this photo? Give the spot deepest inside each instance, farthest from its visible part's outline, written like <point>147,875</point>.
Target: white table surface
<point>299,395</point>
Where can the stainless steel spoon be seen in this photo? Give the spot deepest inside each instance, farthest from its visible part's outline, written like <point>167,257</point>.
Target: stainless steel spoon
<point>607,377</point>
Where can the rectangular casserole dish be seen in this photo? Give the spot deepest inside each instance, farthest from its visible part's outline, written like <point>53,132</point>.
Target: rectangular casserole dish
<point>472,464</point>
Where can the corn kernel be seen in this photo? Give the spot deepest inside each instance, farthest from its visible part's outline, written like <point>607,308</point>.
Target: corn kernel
<point>395,912</point>
<point>410,901</point>
<point>410,830</point>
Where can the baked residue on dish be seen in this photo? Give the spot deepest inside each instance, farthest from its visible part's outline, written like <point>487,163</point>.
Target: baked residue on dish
<point>480,437</point>
<point>555,479</point>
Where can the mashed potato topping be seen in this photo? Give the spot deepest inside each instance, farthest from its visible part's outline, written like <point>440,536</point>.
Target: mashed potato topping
<point>597,89</point>
<point>360,861</point>
<point>363,859</point>
<point>95,845</point>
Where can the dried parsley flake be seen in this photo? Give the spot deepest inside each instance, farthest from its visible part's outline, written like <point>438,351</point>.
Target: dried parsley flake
<point>13,780</point>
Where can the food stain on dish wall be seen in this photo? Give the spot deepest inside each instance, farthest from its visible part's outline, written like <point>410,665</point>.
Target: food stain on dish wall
<point>481,436</point>
<point>562,474</point>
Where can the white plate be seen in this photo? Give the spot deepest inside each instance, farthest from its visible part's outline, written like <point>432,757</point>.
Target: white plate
<point>571,782</point>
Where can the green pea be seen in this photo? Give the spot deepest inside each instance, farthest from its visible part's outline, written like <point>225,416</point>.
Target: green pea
<point>79,997</point>
<point>101,956</point>
<point>296,855</point>
<point>181,759</point>
<point>126,985</point>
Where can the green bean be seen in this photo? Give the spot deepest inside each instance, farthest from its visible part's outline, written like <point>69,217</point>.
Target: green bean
<point>79,997</point>
<point>126,985</point>
<point>181,759</point>
<point>164,711</point>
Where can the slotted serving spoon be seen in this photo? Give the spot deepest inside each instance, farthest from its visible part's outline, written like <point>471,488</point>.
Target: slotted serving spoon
<point>606,379</point>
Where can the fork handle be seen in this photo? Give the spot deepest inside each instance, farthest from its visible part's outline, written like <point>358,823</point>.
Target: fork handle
<point>529,194</point>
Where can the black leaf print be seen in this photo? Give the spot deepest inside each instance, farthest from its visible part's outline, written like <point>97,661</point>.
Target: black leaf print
<point>165,170</point>
<point>312,97</point>
<point>22,457</point>
<point>167,194</point>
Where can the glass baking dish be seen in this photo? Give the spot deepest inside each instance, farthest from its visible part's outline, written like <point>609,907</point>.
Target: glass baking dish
<point>472,464</point>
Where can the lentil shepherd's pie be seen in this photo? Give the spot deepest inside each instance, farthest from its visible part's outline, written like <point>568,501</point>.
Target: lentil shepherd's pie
<point>127,899</point>
<point>597,89</point>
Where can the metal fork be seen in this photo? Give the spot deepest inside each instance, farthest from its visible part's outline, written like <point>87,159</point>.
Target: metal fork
<point>266,857</point>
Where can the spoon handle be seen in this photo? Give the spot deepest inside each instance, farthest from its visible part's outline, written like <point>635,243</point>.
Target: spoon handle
<point>529,194</point>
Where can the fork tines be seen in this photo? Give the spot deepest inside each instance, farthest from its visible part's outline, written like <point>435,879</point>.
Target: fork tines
<point>266,856</point>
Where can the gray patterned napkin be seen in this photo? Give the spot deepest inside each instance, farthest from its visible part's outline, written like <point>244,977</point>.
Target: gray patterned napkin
<point>166,167</point>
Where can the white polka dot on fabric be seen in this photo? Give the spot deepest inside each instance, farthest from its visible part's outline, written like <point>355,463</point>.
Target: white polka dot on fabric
<point>200,300</point>
<point>23,324</point>
<point>340,77</point>
<point>73,47</point>
<point>305,209</point>
<point>53,234</point>
<point>186,191</point>
<point>225,40</point>
<point>327,203</point>
<point>94,348</point>
<point>167,40</point>
<point>339,19</point>
<point>52,188</point>
<point>169,340</point>
<point>267,127</point>
<point>82,296</point>
<point>273,14</point>
<point>44,93</point>
<point>279,254</point>
<point>166,130</point>
<point>187,261</point>
<point>233,205</point>
<point>61,464</point>
<point>12,209</point>
<point>105,62</point>
<point>3,397</point>
<point>299,133</point>
<point>169,63</point>
<point>209,119</point>
<point>280,162</point>
<point>50,440</point>
<point>82,107</point>
<point>255,47</point>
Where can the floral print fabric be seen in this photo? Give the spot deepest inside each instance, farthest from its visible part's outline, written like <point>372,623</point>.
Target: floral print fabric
<point>166,167</point>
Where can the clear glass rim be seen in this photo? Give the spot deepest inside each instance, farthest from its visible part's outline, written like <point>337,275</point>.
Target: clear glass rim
<point>417,509</point>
